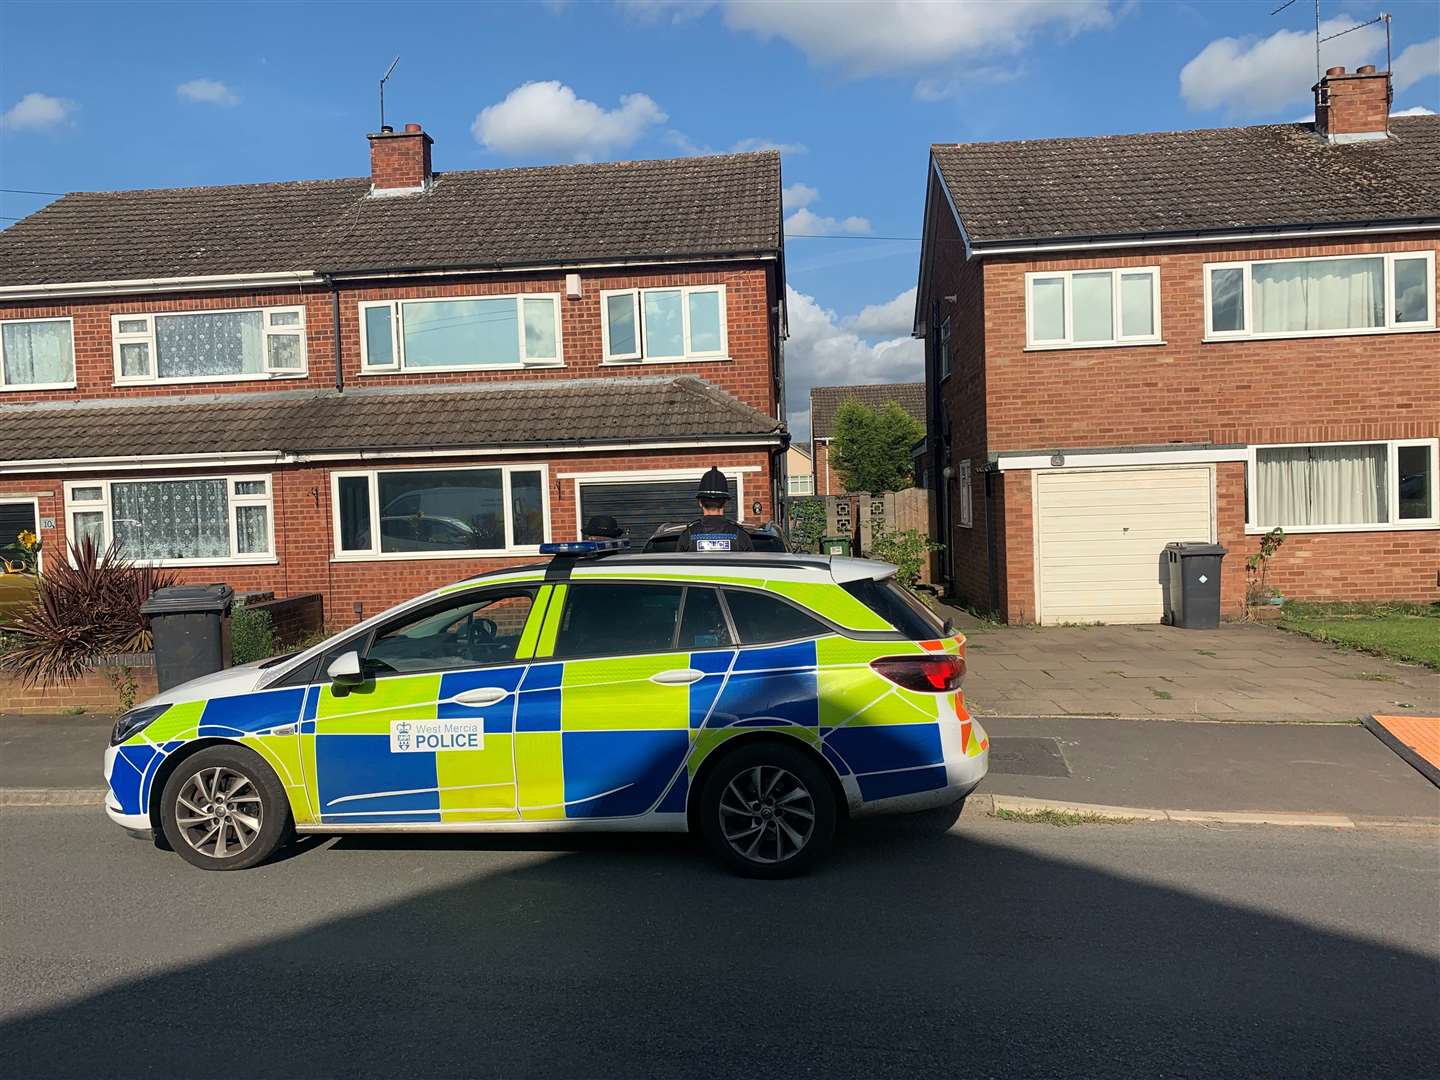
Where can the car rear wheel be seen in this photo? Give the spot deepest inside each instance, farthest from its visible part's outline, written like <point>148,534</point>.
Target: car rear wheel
<point>768,811</point>
<point>224,809</point>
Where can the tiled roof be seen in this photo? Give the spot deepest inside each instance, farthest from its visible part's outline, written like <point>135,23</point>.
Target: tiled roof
<point>825,402</point>
<point>572,412</point>
<point>1272,176</point>
<point>697,206</point>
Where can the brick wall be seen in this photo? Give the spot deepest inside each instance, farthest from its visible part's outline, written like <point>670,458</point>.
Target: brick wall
<point>93,691</point>
<point>747,374</point>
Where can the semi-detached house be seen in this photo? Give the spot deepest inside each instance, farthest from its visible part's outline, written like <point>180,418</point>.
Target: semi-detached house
<point>368,387</point>
<point>1187,336</point>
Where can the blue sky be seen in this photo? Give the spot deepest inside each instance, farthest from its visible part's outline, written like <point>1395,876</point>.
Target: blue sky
<point>122,95</point>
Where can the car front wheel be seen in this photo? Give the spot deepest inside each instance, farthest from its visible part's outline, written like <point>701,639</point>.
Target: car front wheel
<point>224,809</point>
<point>768,811</point>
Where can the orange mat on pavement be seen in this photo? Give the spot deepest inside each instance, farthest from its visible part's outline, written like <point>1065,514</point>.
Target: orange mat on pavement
<point>1419,735</point>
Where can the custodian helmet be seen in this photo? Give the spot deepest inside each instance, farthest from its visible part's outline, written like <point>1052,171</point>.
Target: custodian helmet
<point>713,485</point>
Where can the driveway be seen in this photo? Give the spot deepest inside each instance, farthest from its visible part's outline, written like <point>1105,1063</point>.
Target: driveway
<point>1239,672</point>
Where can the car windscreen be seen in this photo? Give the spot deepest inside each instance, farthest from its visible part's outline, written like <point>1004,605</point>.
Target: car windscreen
<point>895,604</point>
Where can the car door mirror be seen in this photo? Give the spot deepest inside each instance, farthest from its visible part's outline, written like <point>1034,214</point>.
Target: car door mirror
<point>346,670</point>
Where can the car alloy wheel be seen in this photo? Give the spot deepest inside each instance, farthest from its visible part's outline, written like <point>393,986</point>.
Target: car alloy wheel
<point>223,808</point>
<point>220,812</point>
<point>767,814</point>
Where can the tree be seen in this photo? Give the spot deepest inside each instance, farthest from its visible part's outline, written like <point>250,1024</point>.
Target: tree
<point>871,447</point>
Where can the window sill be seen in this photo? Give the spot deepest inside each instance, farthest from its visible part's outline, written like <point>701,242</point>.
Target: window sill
<point>647,362</point>
<point>259,560</point>
<point>429,556</point>
<point>451,369</point>
<point>24,387</point>
<point>1096,345</point>
<point>1377,331</point>
<point>1392,526</point>
<point>288,376</point>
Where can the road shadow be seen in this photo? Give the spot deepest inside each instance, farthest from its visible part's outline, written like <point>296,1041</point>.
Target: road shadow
<point>906,955</point>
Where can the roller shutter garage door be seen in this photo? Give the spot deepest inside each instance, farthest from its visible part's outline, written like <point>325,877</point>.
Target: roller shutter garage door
<point>640,506</point>
<point>1100,538</point>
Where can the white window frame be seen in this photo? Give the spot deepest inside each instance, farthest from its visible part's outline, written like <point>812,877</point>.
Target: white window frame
<point>630,476</point>
<point>373,552</point>
<point>690,356</point>
<point>1247,295</point>
<point>1121,340</point>
<point>945,348</point>
<point>1392,502</point>
<point>967,496</point>
<point>147,338</point>
<point>18,388</point>
<point>103,505</point>
<point>397,334</point>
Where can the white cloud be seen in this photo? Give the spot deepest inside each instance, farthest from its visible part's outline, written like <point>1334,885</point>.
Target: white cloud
<point>690,148</point>
<point>746,146</point>
<point>821,351</point>
<point>674,11</point>
<point>209,91</point>
<point>1419,61</point>
<point>36,112</point>
<point>1258,76</point>
<point>890,319</point>
<point>942,89</point>
<point>1415,110</point>
<point>548,119</point>
<point>808,223</point>
<point>797,195</point>
<point>892,36</point>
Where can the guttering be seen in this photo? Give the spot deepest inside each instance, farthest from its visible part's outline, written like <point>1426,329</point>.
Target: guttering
<point>132,463</point>
<point>1097,459</point>
<point>1041,247</point>
<point>130,286</point>
<point>382,274</point>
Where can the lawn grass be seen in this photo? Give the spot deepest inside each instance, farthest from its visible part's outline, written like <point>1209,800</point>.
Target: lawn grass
<point>1062,819</point>
<point>1397,631</point>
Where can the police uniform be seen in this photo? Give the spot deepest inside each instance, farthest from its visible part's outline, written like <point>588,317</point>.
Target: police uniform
<point>714,531</point>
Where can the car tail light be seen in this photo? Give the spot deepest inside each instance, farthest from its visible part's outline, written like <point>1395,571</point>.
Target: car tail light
<point>937,674</point>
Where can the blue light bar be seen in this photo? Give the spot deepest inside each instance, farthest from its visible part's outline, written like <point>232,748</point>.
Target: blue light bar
<point>584,547</point>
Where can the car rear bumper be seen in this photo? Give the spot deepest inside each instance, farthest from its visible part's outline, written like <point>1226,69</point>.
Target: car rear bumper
<point>967,759</point>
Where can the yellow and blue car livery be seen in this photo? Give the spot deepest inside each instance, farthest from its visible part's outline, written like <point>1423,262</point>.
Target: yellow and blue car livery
<point>540,740</point>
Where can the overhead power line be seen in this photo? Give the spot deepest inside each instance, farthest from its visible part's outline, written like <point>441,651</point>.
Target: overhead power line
<point>846,236</point>
<point>27,191</point>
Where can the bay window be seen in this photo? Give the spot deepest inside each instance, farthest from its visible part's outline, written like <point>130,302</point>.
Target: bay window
<point>197,521</point>
<point>209,346</point>
<point>1344,486</point>
<point>1320,297</point>
<point>37,354</point>
<point>461,333</point>
<point>664,324</point>
<point>419,513</point>
<point>1084,308</point>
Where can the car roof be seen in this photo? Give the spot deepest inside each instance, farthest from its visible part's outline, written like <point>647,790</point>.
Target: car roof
<point>760,565</point>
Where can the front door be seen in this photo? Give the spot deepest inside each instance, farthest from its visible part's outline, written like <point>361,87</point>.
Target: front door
<point>428,736</point>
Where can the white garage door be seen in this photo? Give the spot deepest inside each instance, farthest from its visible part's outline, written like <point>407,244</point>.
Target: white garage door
<point>1100,538</point>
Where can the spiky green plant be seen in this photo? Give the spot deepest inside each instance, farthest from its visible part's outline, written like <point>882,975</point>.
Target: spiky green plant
<point>85,607</point>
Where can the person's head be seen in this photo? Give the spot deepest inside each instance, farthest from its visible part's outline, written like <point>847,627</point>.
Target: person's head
<point>603,527</point>
<point>713,492</point>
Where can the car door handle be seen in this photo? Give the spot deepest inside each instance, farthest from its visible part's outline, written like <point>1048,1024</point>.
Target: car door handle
<point>678,677</point>
<point>482,696</point>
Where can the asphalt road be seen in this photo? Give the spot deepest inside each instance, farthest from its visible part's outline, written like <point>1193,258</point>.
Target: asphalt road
<point>997,950</point>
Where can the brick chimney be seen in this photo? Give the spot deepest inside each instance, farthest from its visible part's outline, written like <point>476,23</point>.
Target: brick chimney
<point>1354,107</point>
<point>399,161</point>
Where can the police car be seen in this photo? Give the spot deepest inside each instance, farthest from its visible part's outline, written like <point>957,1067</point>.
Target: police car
<point>755,699</point>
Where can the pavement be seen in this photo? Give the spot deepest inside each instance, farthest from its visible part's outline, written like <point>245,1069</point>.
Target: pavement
<point>1241,671</point>
<point>996,949</point>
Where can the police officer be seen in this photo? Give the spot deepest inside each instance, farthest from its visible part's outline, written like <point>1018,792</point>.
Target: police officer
<point>713,531</point>
<point>603,527</point>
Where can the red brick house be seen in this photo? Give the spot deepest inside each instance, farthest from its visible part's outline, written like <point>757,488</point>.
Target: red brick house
<point>1195,336</point>
<point>369,387</point>
<point>825,402</point>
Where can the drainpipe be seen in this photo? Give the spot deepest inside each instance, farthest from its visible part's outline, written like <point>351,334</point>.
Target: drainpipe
<point>335,313</point>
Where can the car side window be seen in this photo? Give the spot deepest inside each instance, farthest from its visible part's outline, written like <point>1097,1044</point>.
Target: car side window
<point>462,632</point>
<point>605,619</point>
<point>702,622</point>
<point>760,618</point>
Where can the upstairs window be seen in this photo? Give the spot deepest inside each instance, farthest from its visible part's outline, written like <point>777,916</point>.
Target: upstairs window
<point>1348,294</point>
<point>1074,309</point>
<point>176,522</point>
<point>461,333</point>
<point>209,346</point>
<point>37,354</point>
<point>664,325</point>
